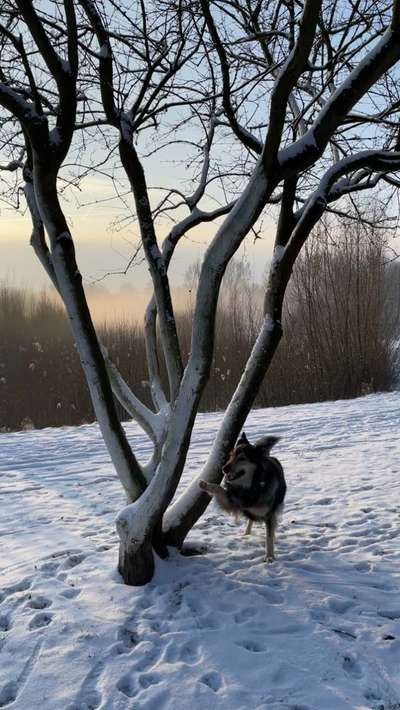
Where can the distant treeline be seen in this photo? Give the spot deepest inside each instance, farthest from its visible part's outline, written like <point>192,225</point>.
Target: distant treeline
<point>341,338</point>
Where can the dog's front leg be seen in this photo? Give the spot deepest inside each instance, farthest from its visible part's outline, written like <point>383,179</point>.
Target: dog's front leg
<point>220,494</point>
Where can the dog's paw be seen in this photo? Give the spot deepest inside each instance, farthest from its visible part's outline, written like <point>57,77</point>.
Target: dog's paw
<point>209,488</point>
<point>269,558</point>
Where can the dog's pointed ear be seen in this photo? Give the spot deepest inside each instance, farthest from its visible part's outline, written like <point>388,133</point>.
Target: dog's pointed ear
<point>243,439</point>
<point>266,443</point>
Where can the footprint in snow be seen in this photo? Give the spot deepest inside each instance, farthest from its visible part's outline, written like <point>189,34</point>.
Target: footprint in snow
<point>73,561</point>
<point>323,501</point>
<point>188,653</point>
<point>22,586</point>
<point>39,602</point>
<point>48,569</point>
<point>89,701</point>
<point>71,592</point>
<point>355,521</point>
<point>5,622</point>
<point>338,605</point>
<point>127,638</point>
<point>88,697</point>
<point>146,654</point>
<point>127,685</point>
<point>242,616</point>
<point>391,614</point>
<point>362,566</point>
<point>212,680</point>
<point>147,679</point>
<point>209,621</point>
<point>351,667</point>
<point>252,646</point>
<point>40,620</point>
<point>8,694</point>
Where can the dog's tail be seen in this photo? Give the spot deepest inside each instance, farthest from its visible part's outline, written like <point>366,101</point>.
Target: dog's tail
<point>266,444</point>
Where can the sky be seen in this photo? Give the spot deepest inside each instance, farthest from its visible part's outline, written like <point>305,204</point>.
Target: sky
<point>101,249</point>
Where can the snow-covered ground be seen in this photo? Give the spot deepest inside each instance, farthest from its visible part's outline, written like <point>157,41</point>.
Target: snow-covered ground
<point>317,630</point>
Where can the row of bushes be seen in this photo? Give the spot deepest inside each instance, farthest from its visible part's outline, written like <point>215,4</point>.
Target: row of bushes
<point>341,324</point>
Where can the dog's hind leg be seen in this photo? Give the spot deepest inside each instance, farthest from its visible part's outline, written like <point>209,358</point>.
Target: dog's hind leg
<point>270,526</point>
<point>248,527</point>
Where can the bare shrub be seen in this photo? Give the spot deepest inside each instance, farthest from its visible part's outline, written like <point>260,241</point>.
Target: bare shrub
<point>341,321</point>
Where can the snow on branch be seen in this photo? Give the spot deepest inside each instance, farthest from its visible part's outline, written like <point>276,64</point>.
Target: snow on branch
<point>305,151</point>
<point>331,188</point>
<point>287,79</point>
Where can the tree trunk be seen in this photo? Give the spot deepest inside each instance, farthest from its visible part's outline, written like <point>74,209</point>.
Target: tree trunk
<point>69,282</point>
<point>175,534</point>
<point>136,565</point>
<point>184,513</point>
<point>136,560</point>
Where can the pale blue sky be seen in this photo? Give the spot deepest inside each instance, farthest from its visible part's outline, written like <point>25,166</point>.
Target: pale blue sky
<point>101,249</point>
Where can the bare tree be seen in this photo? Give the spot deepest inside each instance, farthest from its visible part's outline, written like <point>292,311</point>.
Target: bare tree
<point>306,96</point>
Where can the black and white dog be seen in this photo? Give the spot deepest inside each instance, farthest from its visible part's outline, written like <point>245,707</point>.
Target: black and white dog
<point>254,486</point>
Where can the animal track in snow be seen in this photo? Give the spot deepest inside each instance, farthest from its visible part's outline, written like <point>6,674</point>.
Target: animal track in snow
<point>39,602</point>
<point>5,623</point>
<point>71,592</point>
<point>390,613</point>
<point>10,691</point>
<point>22,586</point>
<point>127,685</point>
<point>146,653</point>
<point>244,615</point>
<point>147,679</point>
<point>49,569</point>
<point>362,566</point>
<point>73,561</point>
<point>88,697</point>
<point>339,605</point>
<point>8,694</point>
<point>213,680</point>
<point>127,638</point>
<point>89,701</point>
<point>40,620</point>
<point>250,645</point>
<point>188,652</point>
<point>210,621</point>
<point>351,667</point>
